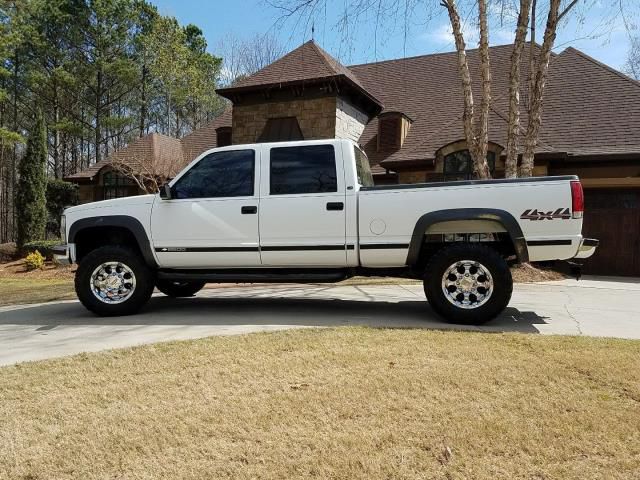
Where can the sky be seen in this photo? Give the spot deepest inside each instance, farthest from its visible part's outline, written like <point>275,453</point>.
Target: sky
<point>593,27</point>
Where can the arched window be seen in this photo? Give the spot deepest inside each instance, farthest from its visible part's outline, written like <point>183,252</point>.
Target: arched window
<point>458,165</point>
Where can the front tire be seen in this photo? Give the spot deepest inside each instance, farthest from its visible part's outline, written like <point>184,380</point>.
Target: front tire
<point>113,281</point>
<point>468,284</point>
<point>178,289</point>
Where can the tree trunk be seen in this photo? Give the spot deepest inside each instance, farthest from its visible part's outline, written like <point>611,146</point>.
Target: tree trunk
<point>143,101</point>
<point>536,94</point>
<point>465,76</point>
<point>532,46</point>
<point>14,157</point>
<point>97,136</point>
<point>511,164</point>
<point>480,164</point>
<point>56,136</point>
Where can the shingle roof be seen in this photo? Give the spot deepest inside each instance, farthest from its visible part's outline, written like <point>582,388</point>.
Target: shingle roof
<point>427,89</point>
<point>590,109</point>
<point>306,63</point>
<point>582,113</point>
<point>160,153</point>
<point>204,138</point>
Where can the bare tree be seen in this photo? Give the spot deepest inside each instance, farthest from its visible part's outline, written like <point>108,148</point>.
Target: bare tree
<point>243,57</point>
<point>511,163</point>
<point>148,174</point>
<point>476,129</point>
<point>539,78</point>
<point>476,138</point>
<point>632,67</point>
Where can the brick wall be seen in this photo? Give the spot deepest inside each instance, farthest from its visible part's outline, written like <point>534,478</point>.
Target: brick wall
<point>316,117</point>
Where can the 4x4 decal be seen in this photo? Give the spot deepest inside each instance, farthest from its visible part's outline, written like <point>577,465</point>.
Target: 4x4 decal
<point>562,213</point>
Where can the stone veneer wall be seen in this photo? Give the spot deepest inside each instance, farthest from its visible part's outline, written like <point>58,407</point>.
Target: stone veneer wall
<point>350,121</point>
<point>325,117</point>
<point>316,117</point>
<point>416,176</point>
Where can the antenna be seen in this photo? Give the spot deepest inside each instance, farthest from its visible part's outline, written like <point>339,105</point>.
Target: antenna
<point>313,30</point>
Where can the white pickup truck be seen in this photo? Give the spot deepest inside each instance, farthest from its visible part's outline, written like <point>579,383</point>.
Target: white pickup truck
<point>308,212</point>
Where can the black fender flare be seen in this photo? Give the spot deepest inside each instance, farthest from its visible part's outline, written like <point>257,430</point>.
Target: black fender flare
<point>501,216</point>
<point>130,223</point>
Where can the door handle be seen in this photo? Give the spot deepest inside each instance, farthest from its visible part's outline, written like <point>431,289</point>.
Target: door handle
<point>335,206</point>
<point>249,210</point>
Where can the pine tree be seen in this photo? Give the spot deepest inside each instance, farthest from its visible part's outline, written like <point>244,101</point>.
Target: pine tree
<point>32,185</point>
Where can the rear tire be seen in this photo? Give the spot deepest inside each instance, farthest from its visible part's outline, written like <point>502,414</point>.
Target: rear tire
<point>468,284</point>
<point>176,289</point>
<point>113,281</point>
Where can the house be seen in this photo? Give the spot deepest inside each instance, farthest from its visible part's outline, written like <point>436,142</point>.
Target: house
<point>406,113</point>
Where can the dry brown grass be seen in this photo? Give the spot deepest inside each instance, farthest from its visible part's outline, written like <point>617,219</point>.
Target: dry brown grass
<point>342,403</point>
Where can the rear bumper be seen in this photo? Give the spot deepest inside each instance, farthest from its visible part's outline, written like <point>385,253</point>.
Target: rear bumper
<point>64,254</point>
<point>587,247</point>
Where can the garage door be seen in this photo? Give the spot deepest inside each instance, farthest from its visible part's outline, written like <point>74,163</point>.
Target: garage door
<point>613,217</point>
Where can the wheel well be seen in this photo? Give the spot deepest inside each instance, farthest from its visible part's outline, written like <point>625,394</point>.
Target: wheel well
<point>433,242</point>
<point>90,238</point>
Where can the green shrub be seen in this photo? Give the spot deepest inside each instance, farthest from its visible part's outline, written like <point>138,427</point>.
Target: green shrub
<point>34,260</point>
<point>60,194</point>
<point>32,183</point>
<point>43,247</point>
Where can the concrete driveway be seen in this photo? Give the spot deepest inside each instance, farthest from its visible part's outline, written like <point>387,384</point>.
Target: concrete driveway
<point>598,307</point>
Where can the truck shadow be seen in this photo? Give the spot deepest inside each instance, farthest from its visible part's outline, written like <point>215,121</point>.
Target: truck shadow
<point>254,310</point>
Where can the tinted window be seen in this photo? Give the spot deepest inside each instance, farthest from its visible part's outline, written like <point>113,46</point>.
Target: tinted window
<point>220,174</point>
<point>308,169</point>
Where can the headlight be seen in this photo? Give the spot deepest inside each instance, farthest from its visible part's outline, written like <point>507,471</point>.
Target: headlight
<point>63,228</point>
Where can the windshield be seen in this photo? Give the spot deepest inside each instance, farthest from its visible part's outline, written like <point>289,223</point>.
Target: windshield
<point>363,170</point>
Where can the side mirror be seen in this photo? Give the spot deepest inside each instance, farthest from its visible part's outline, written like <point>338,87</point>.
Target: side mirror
<point>165,192</point>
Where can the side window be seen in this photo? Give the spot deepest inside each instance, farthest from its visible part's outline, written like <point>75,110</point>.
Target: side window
<point>365,178</point>
<point>306,169</point>
<point>219,174</point>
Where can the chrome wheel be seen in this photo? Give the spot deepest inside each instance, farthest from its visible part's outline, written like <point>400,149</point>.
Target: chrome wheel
<point>467,284</point>
<point>113,282</point>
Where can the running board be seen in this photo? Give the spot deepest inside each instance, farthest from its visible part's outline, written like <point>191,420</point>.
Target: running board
<point>255,275</point>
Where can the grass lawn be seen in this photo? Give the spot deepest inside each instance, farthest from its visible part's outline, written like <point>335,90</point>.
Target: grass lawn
<point>329,403</point>
<point>15,291</point>
<point>17,286</point>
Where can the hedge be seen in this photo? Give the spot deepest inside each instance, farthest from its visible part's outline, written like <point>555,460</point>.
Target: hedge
<point>43,246</point>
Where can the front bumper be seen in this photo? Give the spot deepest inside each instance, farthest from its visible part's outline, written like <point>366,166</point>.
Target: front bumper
<point>64,254</point>
<point>587,247</point>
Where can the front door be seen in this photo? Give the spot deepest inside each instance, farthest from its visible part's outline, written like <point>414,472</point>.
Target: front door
<point>212,218</point>
<point>302,207</point>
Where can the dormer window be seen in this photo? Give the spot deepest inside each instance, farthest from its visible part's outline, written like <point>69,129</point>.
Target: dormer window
<point>393,128</point>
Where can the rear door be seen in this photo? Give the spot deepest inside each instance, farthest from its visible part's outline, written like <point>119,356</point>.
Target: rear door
<point>302,206</point>
<point>212,218</point>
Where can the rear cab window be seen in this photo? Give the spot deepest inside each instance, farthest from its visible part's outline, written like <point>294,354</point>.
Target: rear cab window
<point>302,169</point>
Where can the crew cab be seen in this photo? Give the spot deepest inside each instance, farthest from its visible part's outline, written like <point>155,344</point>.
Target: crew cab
<point>308,211</point>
